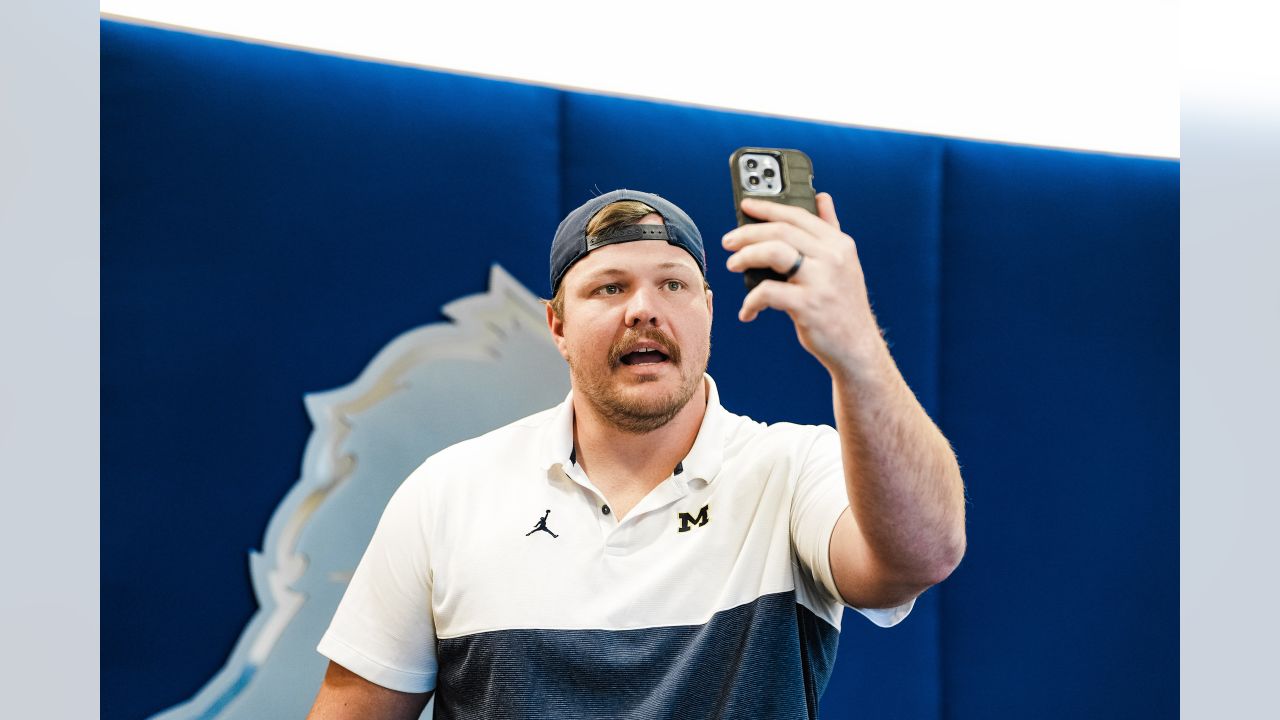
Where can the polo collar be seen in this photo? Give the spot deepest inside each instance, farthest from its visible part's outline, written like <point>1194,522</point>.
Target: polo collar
<point>702,463</point>
<point>705,457</point>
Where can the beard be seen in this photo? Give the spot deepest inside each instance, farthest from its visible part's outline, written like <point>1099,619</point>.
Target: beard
<point>644,414</point>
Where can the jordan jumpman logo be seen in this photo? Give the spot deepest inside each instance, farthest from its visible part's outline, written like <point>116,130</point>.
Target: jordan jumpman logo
<point>542,525</point>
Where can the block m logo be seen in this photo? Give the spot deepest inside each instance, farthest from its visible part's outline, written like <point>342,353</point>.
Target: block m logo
<point>687,521</point>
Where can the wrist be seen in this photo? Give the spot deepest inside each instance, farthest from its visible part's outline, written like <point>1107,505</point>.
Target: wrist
<point>865,356</point>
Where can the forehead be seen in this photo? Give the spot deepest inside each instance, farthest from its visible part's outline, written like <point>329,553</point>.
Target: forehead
<point>639,257</point>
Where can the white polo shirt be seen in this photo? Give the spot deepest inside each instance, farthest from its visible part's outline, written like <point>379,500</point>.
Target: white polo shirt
<point>499,578</point>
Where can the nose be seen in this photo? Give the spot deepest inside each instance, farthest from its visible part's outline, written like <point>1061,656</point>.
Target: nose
<point>643,308</point>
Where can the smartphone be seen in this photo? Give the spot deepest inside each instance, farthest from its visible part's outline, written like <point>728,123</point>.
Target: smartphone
<point>775,174</point>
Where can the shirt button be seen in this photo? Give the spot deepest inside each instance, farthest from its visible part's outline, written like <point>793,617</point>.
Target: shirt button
<point>605,509</point>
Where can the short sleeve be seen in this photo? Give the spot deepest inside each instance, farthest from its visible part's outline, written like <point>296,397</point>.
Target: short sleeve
<point>383,629</point>
<point>820,498</point>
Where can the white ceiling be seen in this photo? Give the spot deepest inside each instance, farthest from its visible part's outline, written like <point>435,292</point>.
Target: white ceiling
<point>1089,74</point>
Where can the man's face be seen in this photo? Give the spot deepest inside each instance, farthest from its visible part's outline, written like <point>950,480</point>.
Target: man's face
<point>636,331</point>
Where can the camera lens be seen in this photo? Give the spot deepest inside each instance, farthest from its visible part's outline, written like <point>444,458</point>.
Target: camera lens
<point>751,164</point>
<point>768,172</point>
<point>753,180</point>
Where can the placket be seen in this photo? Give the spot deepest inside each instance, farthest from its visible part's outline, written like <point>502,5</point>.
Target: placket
<point>628,535</point>
<point>607,523</point>
<point>619,538</point>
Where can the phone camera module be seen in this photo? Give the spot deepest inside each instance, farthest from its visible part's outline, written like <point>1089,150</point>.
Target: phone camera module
<point>759,174</point>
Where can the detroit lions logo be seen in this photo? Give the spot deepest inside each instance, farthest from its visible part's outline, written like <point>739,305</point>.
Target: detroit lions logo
<point>416,396</point>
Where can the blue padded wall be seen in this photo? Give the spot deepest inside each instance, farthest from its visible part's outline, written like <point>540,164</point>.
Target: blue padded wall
<point>1060,389</point>
<point>267,226</point>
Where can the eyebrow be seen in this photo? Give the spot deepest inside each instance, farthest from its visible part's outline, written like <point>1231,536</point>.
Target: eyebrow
<point>673,264</point>
<point>614,272</point>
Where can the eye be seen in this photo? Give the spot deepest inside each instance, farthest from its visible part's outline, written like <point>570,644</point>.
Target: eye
<point>674,285</point>
<point>610,289</point>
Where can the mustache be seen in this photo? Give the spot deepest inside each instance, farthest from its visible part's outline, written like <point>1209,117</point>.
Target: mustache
<point>634,335</point>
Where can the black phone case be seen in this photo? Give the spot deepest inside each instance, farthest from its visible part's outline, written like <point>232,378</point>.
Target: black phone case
<point>797,191</point>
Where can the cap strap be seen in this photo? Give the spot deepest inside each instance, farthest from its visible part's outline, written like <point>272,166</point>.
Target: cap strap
<point>627,233</point>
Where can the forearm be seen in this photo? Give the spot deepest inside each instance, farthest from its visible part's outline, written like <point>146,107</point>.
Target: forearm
<point>345,695</point>
<point>901,475</point>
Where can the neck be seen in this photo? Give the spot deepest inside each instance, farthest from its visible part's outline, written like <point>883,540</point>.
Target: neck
<point>616,459</point>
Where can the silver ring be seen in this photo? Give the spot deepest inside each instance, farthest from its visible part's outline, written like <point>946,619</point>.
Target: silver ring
<point>796,267</point>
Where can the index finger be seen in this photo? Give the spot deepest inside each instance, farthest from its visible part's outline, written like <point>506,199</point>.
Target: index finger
<point>772,211</point>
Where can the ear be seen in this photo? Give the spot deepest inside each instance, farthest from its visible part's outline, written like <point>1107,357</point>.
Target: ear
<point>556,326</point>
<point>710,310</point>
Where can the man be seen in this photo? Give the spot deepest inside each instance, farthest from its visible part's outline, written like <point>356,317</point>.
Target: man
<point>694,562</point>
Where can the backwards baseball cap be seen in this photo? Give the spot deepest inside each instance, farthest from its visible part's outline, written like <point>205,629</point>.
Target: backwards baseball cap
<point>572,242</point>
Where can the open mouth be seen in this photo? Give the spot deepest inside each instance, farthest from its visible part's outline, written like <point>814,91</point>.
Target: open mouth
<point>644,356</point>
<point>647,350</point>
